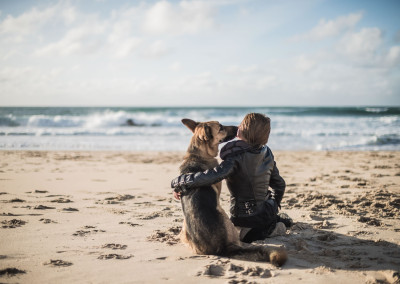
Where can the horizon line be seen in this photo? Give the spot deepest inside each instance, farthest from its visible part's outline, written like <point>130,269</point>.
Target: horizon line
<point>197,106</point>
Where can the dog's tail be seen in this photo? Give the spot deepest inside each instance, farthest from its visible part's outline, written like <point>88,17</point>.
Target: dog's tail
<point>275,255</point>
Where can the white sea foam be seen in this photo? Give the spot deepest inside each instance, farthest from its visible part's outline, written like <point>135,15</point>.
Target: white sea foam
<point>161,129</point>
<point>376,109</point>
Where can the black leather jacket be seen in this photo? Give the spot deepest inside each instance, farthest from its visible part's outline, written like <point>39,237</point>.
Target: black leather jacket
<point>248,175</point>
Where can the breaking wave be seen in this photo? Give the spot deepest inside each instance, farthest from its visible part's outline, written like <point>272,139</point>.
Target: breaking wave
<point>293,128</point>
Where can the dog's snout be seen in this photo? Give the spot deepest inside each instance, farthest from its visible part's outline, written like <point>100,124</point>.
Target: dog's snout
<point>230,133</point>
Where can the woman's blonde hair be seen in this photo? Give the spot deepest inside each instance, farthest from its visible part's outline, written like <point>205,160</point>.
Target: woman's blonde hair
<point>255,128</point>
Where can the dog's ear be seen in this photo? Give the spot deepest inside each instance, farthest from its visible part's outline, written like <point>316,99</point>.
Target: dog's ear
<point>204,132</point>
<point>208,132</point>
<point>191,124</point>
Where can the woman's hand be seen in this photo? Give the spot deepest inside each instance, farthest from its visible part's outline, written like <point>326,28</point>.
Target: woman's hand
<point>177,195</point>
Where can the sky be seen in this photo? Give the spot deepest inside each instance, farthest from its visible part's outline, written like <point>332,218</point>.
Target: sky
<point>199,53</point>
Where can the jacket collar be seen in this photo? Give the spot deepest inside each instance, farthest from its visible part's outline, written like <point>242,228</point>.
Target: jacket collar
<point>236,147</point>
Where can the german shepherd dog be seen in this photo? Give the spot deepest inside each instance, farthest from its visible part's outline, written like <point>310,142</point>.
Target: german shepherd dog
<point>206,227</point>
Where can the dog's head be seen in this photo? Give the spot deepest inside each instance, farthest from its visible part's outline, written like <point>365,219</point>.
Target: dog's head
<point>208,135</point>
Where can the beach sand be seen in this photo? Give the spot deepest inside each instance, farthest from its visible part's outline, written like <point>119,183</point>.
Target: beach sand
<point>109,217</point>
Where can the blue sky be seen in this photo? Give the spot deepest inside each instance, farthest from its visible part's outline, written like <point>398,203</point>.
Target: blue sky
<point>199,53</point>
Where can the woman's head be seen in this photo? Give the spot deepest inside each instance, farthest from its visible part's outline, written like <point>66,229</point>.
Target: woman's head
<point>255,129</point>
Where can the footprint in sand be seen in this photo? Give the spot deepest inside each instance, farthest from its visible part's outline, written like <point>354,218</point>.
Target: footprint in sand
<point>193,257</point>
<point>116,200</point>
<point>114,246</point>
<point>85,231</point>
<point>130,224</point>
<point>257,272</point>
<point>9,214</point>
<point>300,245</point>
<point>327,237</point>
<point>241,281</point>
<point>230,270</point>
<point>323,225</point>
<point>39,191</point>
<point>43,207</point>
<point>12,224</point>
<point>61,200</point>
<point>11,272</point>
<point>170,236</point>
<point>151,216</point>
<point>70,209</point>
<point>116,211</point>
<point>369,221</point>
<point>58,262</point>
<point>47,221</point>
<point>81,233</point>
<point>212,270</point>
<point>114,256</point>
<point>16,200</point>
<point>157,214</point>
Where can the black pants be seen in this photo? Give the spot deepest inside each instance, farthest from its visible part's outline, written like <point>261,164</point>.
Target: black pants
<point>255,234</point>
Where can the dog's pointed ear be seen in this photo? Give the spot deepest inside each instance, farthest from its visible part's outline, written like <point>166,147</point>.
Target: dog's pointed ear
<point>208,132</point>
<point>204,132</point>
<point>191,124</point>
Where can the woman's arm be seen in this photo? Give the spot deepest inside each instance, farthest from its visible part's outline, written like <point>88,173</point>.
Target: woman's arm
<point>208,177</point>
<point>277,184</point>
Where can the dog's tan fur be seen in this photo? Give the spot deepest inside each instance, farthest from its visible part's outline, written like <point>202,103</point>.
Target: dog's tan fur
<point>214,233</point>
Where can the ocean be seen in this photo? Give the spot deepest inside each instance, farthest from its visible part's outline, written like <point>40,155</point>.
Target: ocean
<point>160,128</point>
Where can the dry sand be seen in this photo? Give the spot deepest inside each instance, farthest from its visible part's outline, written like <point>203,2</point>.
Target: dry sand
<point>108,217</point>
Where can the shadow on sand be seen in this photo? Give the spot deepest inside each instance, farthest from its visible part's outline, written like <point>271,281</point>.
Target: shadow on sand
<point>310,247</point>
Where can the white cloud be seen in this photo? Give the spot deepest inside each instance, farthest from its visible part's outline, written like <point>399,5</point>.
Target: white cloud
<point>234,69</point>
<point>27,22</point>
<point>18,28</point>
<point>393,56</point>
<point>362,47</point>
<point>125,31</point>
<point>176,66</point>
<point>122,37</point>
<point>10,54</point>
<point>126,46</point>
<point>121,23</point>
<point>159,40</point>
<point>304,64</point>
<point>331,28</point>
<point>204,82</point>
<point>185,18</point>
<point>363,43</point>
<point>69,15</point>
<point>265,82</point>
<point>14,74</point>
<point>84,39</point>
<point>156,49</point>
